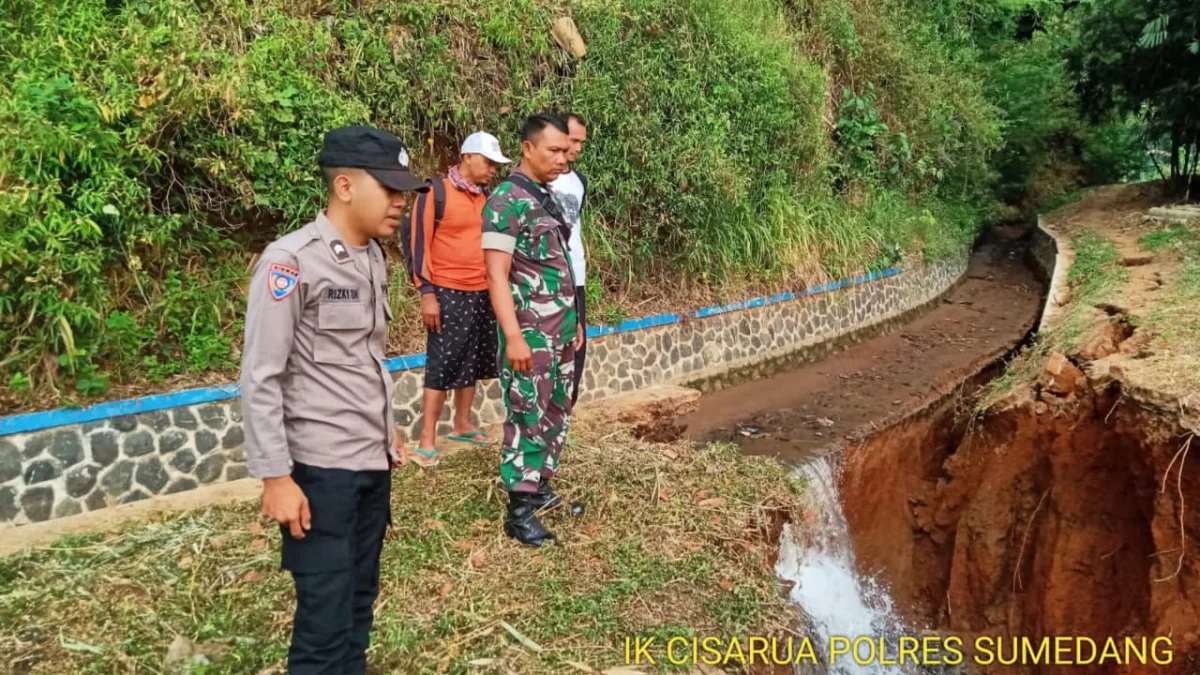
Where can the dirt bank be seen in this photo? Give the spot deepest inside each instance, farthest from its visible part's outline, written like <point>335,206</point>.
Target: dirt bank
<point>1056,514</point>
<point>1070,508</point>
<point>880,381</point>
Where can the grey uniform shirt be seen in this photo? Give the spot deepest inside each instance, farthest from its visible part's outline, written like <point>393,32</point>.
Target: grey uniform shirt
<point>314,386</point>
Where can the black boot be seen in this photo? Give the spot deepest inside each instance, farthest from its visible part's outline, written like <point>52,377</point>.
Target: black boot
<point>522,524</point>
<point>546,499</point>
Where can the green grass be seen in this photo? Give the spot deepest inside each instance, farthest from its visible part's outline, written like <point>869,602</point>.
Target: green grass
<point>652,556</point>
<point>1182,242</point>
<point>1191,278</point>
<point>1178,237</point>
<point>1175,320</point>
<point>1096,270</point>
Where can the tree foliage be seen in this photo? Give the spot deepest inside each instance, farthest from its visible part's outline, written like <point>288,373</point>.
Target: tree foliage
<point>1143,57</point>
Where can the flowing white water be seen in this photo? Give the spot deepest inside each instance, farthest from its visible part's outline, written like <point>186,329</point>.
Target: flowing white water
<point>819,561</point>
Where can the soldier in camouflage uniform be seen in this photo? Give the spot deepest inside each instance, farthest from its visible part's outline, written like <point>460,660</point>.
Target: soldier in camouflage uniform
<point>532,289</point>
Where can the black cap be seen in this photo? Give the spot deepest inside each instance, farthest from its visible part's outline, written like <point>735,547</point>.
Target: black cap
<point>378,152</point>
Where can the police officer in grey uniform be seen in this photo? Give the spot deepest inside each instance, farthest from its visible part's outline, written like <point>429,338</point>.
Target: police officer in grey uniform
<point>316,396</point>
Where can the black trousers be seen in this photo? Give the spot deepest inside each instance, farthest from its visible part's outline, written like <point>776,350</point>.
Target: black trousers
<point>336,568</point>
<point>580,354</point>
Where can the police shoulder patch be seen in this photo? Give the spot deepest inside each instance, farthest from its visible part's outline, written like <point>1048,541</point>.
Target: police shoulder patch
<point>282,280</point>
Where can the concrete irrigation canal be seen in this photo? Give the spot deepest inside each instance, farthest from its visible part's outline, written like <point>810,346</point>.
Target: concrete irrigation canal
<point>1052,512</point>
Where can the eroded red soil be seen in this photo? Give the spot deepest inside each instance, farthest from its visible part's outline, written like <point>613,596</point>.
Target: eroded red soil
<point>1057,514</point>
<point>1070,509</point>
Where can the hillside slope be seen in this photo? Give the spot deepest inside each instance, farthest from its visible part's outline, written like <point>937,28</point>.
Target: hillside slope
<point>151,149</point>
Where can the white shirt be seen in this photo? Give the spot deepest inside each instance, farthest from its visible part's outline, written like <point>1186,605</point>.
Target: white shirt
<point>568,193</point>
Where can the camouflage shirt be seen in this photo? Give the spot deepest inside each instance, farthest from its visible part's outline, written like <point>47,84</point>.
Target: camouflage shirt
<point>541,280</point>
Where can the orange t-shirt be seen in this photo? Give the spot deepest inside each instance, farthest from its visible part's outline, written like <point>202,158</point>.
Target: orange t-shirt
<point>452,255</point>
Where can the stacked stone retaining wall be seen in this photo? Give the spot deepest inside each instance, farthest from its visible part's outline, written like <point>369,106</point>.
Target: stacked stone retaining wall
<point>60,463</point>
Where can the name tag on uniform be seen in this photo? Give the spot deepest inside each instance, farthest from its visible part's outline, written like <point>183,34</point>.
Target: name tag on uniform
<point>341,294</point>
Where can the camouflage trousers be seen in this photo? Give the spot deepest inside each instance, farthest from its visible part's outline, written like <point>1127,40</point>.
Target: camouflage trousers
<point>538,404</point>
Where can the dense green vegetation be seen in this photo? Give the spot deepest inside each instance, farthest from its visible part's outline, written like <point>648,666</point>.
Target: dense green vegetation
<point>1143,57</point>
<point>149,148</point>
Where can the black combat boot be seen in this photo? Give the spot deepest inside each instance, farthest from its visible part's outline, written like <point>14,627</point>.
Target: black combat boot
<point>546,499</point>
<point>522,523</point>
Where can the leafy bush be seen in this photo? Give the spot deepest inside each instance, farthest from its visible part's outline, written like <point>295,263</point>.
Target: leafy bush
<point>1142,57</point>
<point>1050,148</point>
<point>150,148</point>
<point>1114,152</point>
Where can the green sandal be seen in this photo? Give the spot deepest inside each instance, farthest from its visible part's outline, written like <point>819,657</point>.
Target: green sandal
<point>470,437</point>
<point>431,457</point>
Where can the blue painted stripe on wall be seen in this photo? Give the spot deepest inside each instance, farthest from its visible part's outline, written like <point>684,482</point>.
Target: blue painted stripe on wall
<point>15,424</point>
<point>406,362</point>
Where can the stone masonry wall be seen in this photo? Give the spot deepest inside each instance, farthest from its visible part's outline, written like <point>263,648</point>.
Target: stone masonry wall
<point>62,471</point>
<point>67,470</point>
<point>810,350</point>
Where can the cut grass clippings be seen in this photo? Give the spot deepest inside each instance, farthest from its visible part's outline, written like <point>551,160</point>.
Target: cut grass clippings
<point>676,540</point>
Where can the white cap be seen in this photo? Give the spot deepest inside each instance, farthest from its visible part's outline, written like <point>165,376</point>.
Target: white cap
<point>483,143</point>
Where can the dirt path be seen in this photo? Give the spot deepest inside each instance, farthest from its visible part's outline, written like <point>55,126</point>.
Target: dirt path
<point>1118,213</point>
<point>866,387</point>
<point>1150,297</point>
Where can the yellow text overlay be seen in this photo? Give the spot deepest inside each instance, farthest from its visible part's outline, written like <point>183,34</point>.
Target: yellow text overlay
<point>922,651</point>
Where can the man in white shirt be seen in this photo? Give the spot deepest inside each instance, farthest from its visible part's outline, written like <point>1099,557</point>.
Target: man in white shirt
<point>570,190</point>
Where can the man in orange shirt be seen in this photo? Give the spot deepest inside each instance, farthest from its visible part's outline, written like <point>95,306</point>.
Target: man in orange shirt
<point>448,269</point>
